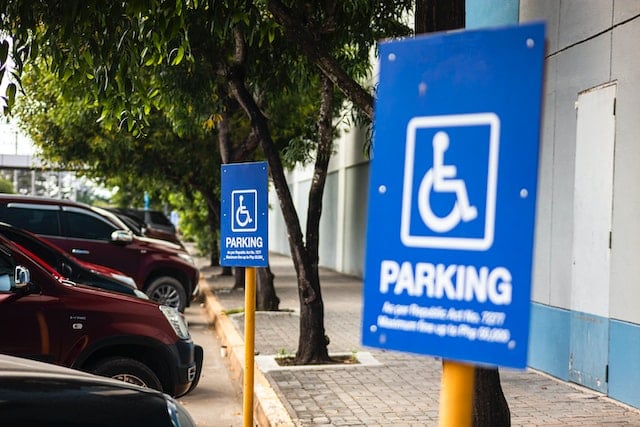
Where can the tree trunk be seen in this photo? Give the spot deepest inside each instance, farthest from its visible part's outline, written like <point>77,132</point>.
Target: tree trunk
<point>213,218</point>
<point>215,252</point>
<point>238,275</point>
<point>437,15</point>
<point>312,344</point>
<point>490,408</point>
<point>226,271</point>
<point>266,298</point>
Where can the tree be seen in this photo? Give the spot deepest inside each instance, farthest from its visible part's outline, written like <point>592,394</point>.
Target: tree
<point>6,186</point>
<point>115,44</point>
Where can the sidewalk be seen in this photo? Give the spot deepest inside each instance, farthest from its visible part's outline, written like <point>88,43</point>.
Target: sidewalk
<point>388,388</point>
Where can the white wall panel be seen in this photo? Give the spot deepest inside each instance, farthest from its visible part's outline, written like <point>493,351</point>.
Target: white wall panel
<point>584,66</point>
<point>329,238</point>
<point>543,237</point>
<point>625,9</point>
<point>592,201</point>
<point>625,257</point>
<point>581,19</point>
<point>356,197</point>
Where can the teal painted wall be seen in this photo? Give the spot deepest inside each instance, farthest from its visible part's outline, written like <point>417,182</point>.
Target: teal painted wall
<point>549,340</point>
<point>490,13</point>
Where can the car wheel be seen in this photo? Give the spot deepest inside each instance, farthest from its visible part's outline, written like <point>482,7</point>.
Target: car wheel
<point>128,370</point>
<point>168,291</point>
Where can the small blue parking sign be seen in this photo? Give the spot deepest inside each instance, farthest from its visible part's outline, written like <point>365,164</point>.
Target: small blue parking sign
<point>244,215</point>
<point>452,195</point>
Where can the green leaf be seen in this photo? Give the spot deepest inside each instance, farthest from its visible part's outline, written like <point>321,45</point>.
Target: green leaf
<point>11,94</point>
<point>4,51</point>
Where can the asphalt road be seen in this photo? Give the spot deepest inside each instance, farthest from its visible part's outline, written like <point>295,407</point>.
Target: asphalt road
<point>217,400</point>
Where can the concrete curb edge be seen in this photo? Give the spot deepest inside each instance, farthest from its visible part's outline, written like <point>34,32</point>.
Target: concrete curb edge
<point>268,410</point>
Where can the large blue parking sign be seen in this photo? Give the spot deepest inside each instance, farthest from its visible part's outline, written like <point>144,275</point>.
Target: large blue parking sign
<point>244,215</point>
<point>452,195</point>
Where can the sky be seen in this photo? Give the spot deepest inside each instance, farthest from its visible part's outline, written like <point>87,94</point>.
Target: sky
<point>13,141</point>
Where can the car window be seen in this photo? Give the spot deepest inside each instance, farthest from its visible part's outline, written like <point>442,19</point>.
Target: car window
<point>80,225</point>
<point>158,218</point>
<point>37,220</point>
<point>44,252</point>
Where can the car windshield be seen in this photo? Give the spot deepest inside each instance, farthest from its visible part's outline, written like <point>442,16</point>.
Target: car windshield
<point>113,218</point>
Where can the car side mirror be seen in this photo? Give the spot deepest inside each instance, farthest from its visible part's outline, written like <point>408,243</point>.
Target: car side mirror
<point>122,236</point>
<point>66,270</point>
<point>22,277</point>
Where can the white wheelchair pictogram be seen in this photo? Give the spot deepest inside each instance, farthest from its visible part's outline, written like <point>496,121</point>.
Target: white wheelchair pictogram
<point>442,178</point>
<point>436,197</point>
<point>244,212</point>
<point>243,216</point>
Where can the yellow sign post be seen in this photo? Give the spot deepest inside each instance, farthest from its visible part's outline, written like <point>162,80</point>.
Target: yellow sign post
<point>456,394</point>
<point>249,338</point>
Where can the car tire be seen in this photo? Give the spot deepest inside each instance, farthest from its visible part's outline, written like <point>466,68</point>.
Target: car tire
<point>168,291</point>
<point>128,370</point>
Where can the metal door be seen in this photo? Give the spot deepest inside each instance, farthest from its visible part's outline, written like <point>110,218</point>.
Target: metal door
<point>595,140</point>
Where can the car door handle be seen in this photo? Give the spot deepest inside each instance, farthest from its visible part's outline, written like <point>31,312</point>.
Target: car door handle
<point>79,251</point>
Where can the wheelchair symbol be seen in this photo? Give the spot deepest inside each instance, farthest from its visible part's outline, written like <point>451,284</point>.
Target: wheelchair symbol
<point>422,226</point>
<point>243,217</point>
<point>243,210</point>
<point>441,178</point>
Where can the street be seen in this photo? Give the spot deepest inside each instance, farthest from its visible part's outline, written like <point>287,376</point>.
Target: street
<point>217,400</point>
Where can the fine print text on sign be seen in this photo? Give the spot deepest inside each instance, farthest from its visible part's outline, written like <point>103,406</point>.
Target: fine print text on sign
<point>452,195</point>
<point>244,208</point>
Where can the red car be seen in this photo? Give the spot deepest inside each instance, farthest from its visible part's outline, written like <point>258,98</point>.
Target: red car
<point>71,267</point>
<point>163,270</point>
<point>49,318</point>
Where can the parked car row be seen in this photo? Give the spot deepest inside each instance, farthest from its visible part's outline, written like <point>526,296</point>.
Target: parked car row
<point>59,304</point>
<point>163,270</point>
<point>107,333</point>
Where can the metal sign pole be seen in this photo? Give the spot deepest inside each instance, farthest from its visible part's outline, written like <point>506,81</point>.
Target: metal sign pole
<point>456,394</point>
<point>249,338</point>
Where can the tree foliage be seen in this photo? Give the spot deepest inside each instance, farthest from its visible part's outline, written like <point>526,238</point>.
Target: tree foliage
<point>172,73</point>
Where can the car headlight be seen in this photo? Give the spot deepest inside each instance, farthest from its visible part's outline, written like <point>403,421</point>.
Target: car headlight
<point>176,320</point>
<point>186,257</point>
<point>178,414</point>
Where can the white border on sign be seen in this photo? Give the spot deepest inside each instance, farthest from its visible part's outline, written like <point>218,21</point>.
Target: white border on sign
<point>444,242</point>
<point>255,211</point>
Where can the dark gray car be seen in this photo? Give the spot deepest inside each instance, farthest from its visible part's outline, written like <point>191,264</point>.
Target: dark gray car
<point>40,394</point>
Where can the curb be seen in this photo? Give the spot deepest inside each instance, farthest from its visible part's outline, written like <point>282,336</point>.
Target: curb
<point>268,410</point>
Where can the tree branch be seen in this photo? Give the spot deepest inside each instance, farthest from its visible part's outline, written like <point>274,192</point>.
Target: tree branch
<point>298,35</point>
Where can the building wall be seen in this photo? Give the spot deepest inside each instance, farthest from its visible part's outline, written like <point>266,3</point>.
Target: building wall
<point>344,206</point>
<point>590,44</point>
